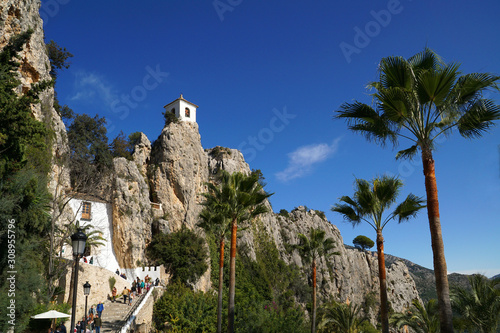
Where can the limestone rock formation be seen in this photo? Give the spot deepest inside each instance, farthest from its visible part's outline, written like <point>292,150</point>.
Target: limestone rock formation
<point>132,214</point>
<point>17,16</point>
<point>177,170</point>
<point>177,174</point>
<point>142,153</point>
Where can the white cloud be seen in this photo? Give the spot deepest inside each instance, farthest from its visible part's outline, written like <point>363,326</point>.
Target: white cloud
<point>301,161</point>
<point>93,88</point>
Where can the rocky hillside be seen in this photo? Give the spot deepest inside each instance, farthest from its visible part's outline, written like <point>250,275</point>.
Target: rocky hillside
<point>425,280</point>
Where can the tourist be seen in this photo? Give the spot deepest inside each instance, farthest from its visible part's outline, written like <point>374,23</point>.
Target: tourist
<point>100,308</point>
<point>130,296</point>
<point>97,324</point>
<point>117,272</point>
<point>125,293</point>
<point>92,312</point>
<point>134,289</point>
<point>113,294</point>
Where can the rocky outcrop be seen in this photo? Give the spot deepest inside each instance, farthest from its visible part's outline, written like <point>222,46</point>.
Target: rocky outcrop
<point>177,174</point>
<point>142,152</point>
<point>350,276</point>
<point>132,214</point>
<point>17,16</point>
<point>178,169</point>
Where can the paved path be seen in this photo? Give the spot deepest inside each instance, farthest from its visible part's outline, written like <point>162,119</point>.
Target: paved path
<point>113,316</point>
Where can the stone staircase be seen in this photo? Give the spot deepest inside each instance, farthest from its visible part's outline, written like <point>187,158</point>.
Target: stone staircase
<point>114,314</point>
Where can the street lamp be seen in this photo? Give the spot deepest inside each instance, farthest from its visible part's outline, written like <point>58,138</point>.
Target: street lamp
<point>78,240</point>
<point>86,292</point>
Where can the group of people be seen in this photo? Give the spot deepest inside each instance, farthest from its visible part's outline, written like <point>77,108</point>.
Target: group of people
<point>122,275</point>
<point>94,321</point>
<point>138,287</point>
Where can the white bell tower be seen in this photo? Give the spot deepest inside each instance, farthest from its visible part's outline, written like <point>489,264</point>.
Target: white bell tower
<point>183,110</point>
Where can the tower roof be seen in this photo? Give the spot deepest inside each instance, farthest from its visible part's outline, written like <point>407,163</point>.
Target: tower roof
<point>181,99</point>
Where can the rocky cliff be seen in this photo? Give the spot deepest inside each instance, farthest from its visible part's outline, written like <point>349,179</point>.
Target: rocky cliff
<point>177,168</point>
<point>17,16</point>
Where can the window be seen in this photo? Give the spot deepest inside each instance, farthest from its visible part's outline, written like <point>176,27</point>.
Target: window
<point>173,110</point>
<point>187,113</point>
<point>86,210</point>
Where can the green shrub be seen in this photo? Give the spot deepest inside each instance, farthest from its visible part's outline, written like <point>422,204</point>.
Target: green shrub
<point>321,214</point>
<point>112,282</point>
<point>181,309</point>
<point>183,253</point>
<point>284,213</point>
<point>170,118</point>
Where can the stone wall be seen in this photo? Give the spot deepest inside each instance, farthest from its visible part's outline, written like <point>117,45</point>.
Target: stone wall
<point>143,320</point>
<point>99,280</point>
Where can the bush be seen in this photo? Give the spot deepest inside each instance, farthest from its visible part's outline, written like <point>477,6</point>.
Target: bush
<point>321,214</point>
<point>182,310</point>
<point>284,213</point>
<point>183,253</point>
<point>170,118</point>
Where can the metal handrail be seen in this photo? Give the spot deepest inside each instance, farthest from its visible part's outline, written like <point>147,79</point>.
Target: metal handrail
<point>131,311</point>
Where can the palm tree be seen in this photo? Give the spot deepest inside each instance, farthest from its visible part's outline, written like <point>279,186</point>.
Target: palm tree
<point>343,317</point>
<point>368,204</point>
<point>423,319</point>
<point>94,240</point>
<point>214,220</point>
<point>238,198</point>
<point>312,248</point>
<point>480,306</point>
<point>419,99</point>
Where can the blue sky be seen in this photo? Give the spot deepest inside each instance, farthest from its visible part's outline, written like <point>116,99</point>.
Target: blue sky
<point>268,76</point>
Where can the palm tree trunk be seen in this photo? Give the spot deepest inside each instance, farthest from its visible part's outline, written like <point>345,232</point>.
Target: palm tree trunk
<point>440,270</point>
<point>221,272</point>
<point>232,277</point>
<point>313,316</point>
<point>384,309</point>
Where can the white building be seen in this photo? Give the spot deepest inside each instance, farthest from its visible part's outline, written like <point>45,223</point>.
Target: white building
<point>98,213</point>
<point>183,110</point>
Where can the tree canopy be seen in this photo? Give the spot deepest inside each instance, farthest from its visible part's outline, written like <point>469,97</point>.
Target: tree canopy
<point>363,242</point>
<point>183,253</point>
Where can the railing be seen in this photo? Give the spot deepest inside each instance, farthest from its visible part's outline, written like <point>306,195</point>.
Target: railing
<point>132,314</point>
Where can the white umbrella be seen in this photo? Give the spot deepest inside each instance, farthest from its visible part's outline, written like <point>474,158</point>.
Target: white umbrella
<point>51,315</point>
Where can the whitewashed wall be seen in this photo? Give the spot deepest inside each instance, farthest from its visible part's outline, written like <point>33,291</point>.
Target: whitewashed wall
<point>101,219</point>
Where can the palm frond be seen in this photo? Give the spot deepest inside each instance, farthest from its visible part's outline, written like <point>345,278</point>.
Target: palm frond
<point>469,87</point>
<point>425,60</point>
<point>478,118</point>
<point>395,72</point>
<point>409,208</point>
<point>407,153</point>
<point>435,85</point>
<point>365,120</point>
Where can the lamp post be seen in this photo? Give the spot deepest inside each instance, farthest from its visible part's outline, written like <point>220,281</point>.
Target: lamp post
<point>86,292</point>
<point>78,240</point>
